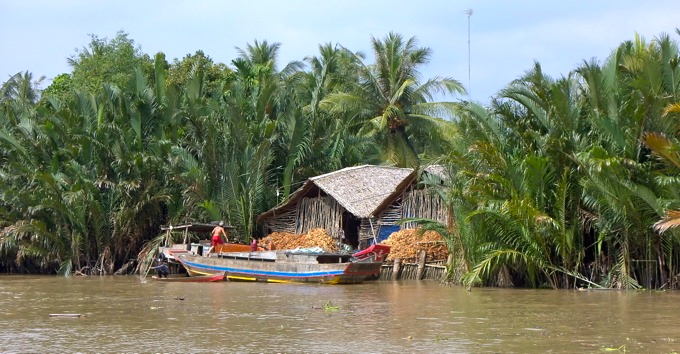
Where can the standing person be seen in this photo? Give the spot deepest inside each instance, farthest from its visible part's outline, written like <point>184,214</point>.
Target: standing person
<point>217,233</point>
<point>253,245</point>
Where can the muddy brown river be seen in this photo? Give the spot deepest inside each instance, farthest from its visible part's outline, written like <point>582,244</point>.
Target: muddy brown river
<point>125,314</point>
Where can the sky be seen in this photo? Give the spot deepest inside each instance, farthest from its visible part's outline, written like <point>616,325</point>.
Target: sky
<point>485,51</point>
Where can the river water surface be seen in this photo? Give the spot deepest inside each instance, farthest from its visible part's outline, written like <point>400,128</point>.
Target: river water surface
<point>126,314</point>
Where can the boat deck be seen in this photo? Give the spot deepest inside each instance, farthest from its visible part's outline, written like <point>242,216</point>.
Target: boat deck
<point>288,257</point>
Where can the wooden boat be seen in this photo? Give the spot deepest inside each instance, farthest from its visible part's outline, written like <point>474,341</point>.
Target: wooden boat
<point>288,266</point>
<point>191,279</point>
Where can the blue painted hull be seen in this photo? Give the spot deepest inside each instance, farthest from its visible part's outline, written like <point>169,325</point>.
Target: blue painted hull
<point>284,268</point>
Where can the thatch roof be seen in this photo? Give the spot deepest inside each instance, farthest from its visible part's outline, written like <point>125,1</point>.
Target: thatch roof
<point>361,190</point>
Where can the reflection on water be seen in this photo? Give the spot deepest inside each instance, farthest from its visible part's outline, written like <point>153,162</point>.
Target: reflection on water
<point>123,314</point>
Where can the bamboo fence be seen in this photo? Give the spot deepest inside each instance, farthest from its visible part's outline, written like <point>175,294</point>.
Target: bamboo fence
<point>422,203</point>
<point>421,270</point>
<point>311,213</point>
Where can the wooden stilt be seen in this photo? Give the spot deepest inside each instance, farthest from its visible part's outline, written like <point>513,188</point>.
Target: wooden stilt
<point>396,269</point>
<point>421,265</point>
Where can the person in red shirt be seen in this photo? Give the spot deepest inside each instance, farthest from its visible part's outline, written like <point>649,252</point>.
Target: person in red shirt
<point>253,245</point>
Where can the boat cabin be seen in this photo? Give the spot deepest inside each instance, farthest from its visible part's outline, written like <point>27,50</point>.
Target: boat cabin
<point>192,237</point>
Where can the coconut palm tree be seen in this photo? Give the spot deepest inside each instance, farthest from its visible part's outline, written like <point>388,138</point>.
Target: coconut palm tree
<point>21,88</point>
<point>393,106</point>
<point>311,139</point>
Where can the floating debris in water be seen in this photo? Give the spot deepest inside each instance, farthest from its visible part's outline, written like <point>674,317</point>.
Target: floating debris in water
<point>328,307</point>
<point>73,315</point>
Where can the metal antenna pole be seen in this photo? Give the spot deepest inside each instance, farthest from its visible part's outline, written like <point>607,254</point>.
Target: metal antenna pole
<point>468,12</point>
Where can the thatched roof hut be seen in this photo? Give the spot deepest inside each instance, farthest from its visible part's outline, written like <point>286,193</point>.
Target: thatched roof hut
<point>356,204</point>
<point>339,201</point>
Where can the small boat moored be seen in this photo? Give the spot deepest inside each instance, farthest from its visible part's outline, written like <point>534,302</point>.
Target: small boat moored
<point>183,278</point>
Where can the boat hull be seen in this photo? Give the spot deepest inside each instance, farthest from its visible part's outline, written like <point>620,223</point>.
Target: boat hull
<point>205,278</point>
<point>281,269</point>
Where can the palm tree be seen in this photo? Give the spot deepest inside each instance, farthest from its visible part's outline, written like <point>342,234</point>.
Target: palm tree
<point>667,149</point>
<point>229,138</point>
<point>627,98</point>
<point>21,88</point>
<point>89,179</point>
<point>520,198</point>
<point>311,139</point>
<point>391,104</point>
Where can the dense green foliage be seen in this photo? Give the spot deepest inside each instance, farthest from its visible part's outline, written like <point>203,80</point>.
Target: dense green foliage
<point>560,182</point>
<point>556,182</point>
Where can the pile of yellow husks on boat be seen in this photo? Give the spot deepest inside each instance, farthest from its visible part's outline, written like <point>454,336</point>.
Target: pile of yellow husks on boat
<point>406,245</point>
<point>314,238</point>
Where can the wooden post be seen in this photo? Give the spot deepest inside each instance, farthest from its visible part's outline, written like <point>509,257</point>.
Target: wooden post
<point>396,268</point>
<point>421,265</point>
<point>450,270</point>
